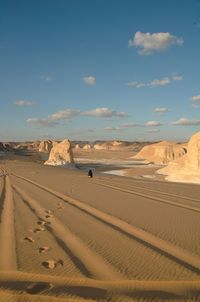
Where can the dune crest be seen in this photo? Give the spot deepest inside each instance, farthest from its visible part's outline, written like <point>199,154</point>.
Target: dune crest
<point>61,154</point>
<point>187,168</point>
<point>162,152</point>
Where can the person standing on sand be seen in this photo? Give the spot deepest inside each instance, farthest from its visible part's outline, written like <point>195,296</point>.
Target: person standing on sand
<point>90,174</point>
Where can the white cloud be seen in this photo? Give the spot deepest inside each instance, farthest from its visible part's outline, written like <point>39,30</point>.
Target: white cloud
<point>161,82</point>
<point>23,103</point>
<point>53,120</point>
<point>42,122</point>
<point>156,82</point>
<point>161,110</point>
<point>186,122</point>
<point>195,101</point>
<point>196,98</point>
<point>149,43</point>
<point>46,78</point>
<point>64,115</point>
<point>152,130</point>
<point>136,84</point>
<point>153,124</point>
<point>89,80</point>
<point>112,128</point>
<point>177,77</point>
<point>131,125</point>
<point>104,112</point>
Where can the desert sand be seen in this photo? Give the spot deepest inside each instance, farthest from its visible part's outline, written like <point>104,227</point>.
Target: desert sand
<point>65,237</point>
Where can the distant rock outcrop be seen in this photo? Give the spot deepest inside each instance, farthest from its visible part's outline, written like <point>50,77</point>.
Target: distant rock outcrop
<point>87,147</point>
<point>2,148</point>
<point>110,145</point>
<point>46,146</point>
<point>161,153</point>
<point>187,168</point>
<point>61,154</point>
<point>77,146</point>
<point>116,143</point>
<point>103,146</point>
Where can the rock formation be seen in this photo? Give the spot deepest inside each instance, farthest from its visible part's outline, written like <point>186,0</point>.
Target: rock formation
<point>187,168</point>
<point>103,146</point>
<point>45,146</point>
<point>61,154</point>
<point>161,153</point>
<point>116,143</point>
<point>77,146</point>
<point>87,147</point>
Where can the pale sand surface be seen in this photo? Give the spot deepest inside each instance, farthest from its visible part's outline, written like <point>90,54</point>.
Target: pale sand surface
<point>109,238</point>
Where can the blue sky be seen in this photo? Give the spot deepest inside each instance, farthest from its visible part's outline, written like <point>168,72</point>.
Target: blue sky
<point>99,69</point>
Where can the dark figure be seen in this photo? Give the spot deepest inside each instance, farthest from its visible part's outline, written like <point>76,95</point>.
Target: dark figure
<point>90,174</point>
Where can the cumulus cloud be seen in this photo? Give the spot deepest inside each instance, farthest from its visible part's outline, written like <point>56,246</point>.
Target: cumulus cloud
<point>89,80</point>
<point>136,84</point>
<point>161,110</point>
<point>186,122</point>
<point>64,115</point>
<point>156,82</point>
<point>23,103</point>
<point>104,112</point>
<point>195,100</point>
<point>161,82</point>
<point>177,77</point>
<point>55,118</point>
<point>41,122</point>
<point>149,43</point>
<point>153,124</point>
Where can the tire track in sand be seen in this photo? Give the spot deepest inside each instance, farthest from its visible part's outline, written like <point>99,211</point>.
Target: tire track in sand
<point>154,198</point>
<point>7,234</point>
<point>182,289</point>
<point>165,248</point>
<point>87,259</point>
<point>133,186</point>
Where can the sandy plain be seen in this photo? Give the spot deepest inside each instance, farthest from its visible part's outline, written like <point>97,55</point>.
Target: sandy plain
<point>65,237</point>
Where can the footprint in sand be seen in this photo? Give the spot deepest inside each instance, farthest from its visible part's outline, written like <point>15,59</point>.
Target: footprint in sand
<point>49,216</point>
<point>41,222</point>
<point>29,239</point>
<point>39,230</point>
<point>60,206</point>
<point>51,264</point>
<point>50,212</point>
<point>43,249</point>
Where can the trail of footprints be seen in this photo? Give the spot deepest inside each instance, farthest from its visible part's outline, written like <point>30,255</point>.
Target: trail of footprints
<point>51,263</point>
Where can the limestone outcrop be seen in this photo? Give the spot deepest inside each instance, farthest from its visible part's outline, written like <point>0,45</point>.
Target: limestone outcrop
<point>61,154</point>
<point>45,146</point>
<point>87,147</point>
<point>162,152</point>
<point>187,168</point>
